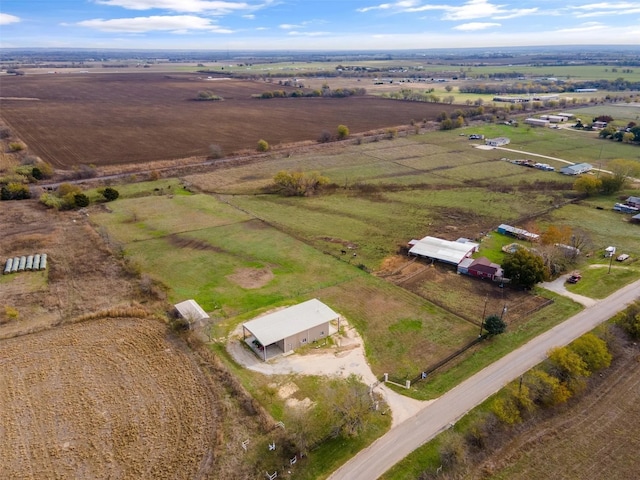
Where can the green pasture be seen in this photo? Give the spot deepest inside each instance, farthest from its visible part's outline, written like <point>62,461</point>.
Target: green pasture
<point>402,332</point>
<point>494,348</point>
<point>143,218</point>
<point>194,245</point>
<point>622,113</point>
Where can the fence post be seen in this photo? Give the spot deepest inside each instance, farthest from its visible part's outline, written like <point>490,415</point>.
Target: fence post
<point>386,377</point>
<point>407,384</point>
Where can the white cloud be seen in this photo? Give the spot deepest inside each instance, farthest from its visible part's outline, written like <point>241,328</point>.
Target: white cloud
<point>585,27</point>
<point>211,7</point>
<point>289,26</point>
<point>602,9</point>
<point>6,19</point>
<point>249,16</point>
<point>308,34</point>
<point>473,26</point>
<point>483,9</point>
<point>470,10</point>
<point>402,5</point>
<point>179,23</point>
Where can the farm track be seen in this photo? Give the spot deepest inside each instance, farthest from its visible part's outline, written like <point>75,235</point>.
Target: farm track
<point>150,415</point>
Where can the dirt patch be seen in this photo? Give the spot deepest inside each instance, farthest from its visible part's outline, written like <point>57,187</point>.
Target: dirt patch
<point>82,274</point>
<point>251,277</point>
<point>193,243</point>
<point>112,398</point>
<point>465,296</point>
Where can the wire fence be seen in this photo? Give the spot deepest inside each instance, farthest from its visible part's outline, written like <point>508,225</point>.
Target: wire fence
<point>407,382</point>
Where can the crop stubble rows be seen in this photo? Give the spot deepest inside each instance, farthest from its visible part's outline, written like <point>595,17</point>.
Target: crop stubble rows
<point>111,119</point>
<point>112,398</point>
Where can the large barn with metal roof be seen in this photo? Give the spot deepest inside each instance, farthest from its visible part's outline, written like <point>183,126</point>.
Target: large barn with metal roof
<point>285,330</point>
<point>445,251</point>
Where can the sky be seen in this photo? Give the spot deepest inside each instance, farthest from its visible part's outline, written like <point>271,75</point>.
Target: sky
<point>315,24</point>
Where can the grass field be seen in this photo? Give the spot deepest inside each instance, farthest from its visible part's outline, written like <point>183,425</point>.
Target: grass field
<point>388,192</point>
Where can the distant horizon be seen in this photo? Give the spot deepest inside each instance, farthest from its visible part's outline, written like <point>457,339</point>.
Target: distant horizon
<point>314,25</point>
<point>592,47</point>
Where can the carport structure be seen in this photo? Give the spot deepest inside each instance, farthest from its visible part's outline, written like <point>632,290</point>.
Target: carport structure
<point>285,330</point>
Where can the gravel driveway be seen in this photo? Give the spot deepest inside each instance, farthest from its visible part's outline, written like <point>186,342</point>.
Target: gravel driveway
<point>344,358</point>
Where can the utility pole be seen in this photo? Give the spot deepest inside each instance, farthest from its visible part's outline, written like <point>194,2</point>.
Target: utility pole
<point>484,311</point>
<point>610,260</point>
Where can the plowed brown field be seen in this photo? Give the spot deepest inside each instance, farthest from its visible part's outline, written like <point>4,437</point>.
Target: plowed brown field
<point>114,119</point>
<point>111,398</point>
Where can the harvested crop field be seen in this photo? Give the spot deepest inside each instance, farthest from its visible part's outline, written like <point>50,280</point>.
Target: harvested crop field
<point>111,398</point>
<point>597,437</point>
<point>116,118</point>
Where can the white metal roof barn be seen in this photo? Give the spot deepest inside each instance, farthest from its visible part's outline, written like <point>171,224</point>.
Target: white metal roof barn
<point>284,330</point>
<point>442,250</point>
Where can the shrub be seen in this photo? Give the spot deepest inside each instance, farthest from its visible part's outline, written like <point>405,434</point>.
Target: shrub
<point>207,95</point>
<point>80,200</point>
<point>51,201</point>
<point>16,147</point>
<point>324,137</point>
<point>5,132</point>
<point>215,151</point>
<point>593,351</point>
<point>343,132</point>
<point>110,194</point>
<point>263,146</point>
<point>15,191</point>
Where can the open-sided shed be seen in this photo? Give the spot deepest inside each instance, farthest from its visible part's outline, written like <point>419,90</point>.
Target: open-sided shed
<point>442,250</point>
<point>287,329</point>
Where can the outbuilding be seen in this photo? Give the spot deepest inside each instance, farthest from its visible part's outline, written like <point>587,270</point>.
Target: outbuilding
<point>516,232</point>
<point>537,122</point>
<point>576,169</point>
<point>484,268</point>
<point>191,311</point>
<point>497,142</point>
<point>283,331</point>
<point>442,250</point>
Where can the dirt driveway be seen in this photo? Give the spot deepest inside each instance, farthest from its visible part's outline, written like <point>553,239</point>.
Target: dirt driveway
<point>558,286</point>
<point>342,359</point>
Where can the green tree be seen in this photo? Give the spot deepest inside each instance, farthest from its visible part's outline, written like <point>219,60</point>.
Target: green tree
<point>110,194</point>
<point>343,132</point>
<point>608,131</point>
<point>494,325</point>
<point>545,389</point>
<point>623,169</point>
<point>568,366</point>
<point>524,268</point>
<point>593,351</point>
<point>587,185</point>
<point>36,173</point>
<point>629,320</point>
<point>298,184</point>
<point>353,405</point>
<point>14,191</point>
<point>81,200</point>
<point>263,146</point>
<point>610,184</point>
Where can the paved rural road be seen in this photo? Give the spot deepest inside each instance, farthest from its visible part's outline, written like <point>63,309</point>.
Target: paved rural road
<point>388,450</point>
